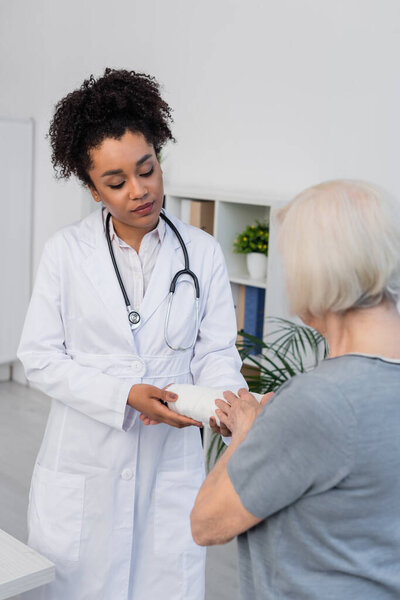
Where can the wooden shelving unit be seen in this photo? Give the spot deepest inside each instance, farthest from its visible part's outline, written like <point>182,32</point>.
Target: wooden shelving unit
<point>232,212</point>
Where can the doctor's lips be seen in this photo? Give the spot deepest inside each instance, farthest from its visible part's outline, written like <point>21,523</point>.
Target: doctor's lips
<point>144,209</point>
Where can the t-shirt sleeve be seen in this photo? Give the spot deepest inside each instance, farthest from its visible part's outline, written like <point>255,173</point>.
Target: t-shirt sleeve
<point>300,444</point>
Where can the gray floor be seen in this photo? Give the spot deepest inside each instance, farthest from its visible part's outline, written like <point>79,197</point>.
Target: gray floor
<point>23,414</point>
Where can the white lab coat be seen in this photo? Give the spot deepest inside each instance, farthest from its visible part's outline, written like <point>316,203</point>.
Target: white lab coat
<point>110,498</point>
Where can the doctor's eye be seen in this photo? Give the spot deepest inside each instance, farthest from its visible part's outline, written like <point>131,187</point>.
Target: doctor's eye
<point>118,186</point>
<point>148,173</point>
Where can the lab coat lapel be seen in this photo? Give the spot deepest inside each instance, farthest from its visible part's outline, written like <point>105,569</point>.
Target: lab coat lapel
<point>99,269</point>
<point>169,261</point>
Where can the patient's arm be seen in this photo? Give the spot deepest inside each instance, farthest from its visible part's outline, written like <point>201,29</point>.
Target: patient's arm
<point>218,514</point>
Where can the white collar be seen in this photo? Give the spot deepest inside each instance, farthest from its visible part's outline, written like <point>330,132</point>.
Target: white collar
<point>159,231</point>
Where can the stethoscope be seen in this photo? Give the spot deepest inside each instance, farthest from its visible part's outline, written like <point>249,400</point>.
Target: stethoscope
<point>134,317</point>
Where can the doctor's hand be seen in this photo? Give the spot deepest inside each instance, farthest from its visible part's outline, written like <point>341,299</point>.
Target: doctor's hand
<point>148,400</point>
<point>238,413</point>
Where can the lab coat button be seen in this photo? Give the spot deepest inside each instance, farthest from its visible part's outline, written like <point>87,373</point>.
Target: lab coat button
<point>139,367</point>
<point>126,474</point>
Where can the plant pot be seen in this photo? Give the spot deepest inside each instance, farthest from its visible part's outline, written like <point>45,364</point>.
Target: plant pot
<point>257,265</point>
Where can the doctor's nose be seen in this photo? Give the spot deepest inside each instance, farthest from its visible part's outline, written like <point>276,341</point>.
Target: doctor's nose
<point>136,190</point>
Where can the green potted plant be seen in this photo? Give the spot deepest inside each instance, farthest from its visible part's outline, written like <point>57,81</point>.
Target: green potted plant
<point>290,349</point>
<point>253,241</point>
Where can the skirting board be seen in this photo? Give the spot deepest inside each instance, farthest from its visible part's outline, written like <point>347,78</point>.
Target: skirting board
<point>5,372</point>
<point>18,373</point>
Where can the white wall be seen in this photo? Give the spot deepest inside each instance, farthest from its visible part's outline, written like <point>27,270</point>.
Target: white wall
<point>268,95</point>
<point>15,232</point>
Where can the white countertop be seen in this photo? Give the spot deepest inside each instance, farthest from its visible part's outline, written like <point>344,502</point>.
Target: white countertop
<point>21,568</point>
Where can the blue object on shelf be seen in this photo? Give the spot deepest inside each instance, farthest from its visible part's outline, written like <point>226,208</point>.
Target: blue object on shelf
<point>254,314</point>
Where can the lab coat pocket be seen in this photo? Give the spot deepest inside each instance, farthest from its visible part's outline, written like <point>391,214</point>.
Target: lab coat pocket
<point>174,499</point>
<point>55,513</point>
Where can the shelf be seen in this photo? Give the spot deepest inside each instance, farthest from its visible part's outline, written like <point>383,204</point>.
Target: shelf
<point>243,280</point>
<point>232,212</point>
<point>271,199</point>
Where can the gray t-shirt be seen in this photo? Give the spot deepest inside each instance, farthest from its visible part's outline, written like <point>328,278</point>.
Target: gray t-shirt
<point>321,466</point>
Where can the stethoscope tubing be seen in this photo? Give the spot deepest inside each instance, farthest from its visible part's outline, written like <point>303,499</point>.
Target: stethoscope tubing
<point>186,270</point>
<point>121,285</point>
<point>134,316</point>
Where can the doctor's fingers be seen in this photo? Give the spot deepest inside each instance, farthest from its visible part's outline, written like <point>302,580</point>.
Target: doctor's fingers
<point>147,421</point>
<point>171,418</point>
<point>181,422</point>
<point>163,394</point>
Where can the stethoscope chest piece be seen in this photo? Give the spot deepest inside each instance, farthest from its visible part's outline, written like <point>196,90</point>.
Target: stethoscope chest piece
<point>134,319</point>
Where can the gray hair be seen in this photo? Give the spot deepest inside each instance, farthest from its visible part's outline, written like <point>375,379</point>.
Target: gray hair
<point>340,243</point>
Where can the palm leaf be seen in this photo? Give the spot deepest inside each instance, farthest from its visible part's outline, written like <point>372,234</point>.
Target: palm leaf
<point>289,349</point>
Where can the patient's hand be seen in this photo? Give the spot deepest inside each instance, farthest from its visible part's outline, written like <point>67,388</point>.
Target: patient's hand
<point>222,430</point>
<point>238,413</point>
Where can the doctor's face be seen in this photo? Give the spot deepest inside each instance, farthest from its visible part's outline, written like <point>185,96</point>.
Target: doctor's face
<point>127,178</point>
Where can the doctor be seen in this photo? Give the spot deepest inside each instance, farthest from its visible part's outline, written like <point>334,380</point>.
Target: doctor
<point>111,494</point>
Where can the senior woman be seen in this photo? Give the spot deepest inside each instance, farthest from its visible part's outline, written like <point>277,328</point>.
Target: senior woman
<point>312,480</point>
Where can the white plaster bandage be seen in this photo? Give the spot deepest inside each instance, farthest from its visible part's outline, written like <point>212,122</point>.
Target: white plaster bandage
<point>198,402</point>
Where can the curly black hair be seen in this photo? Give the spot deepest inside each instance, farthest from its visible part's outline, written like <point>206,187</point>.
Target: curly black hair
<point>102,108</point>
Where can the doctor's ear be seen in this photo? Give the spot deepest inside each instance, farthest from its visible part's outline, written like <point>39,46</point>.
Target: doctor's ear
<point>95,195</point>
